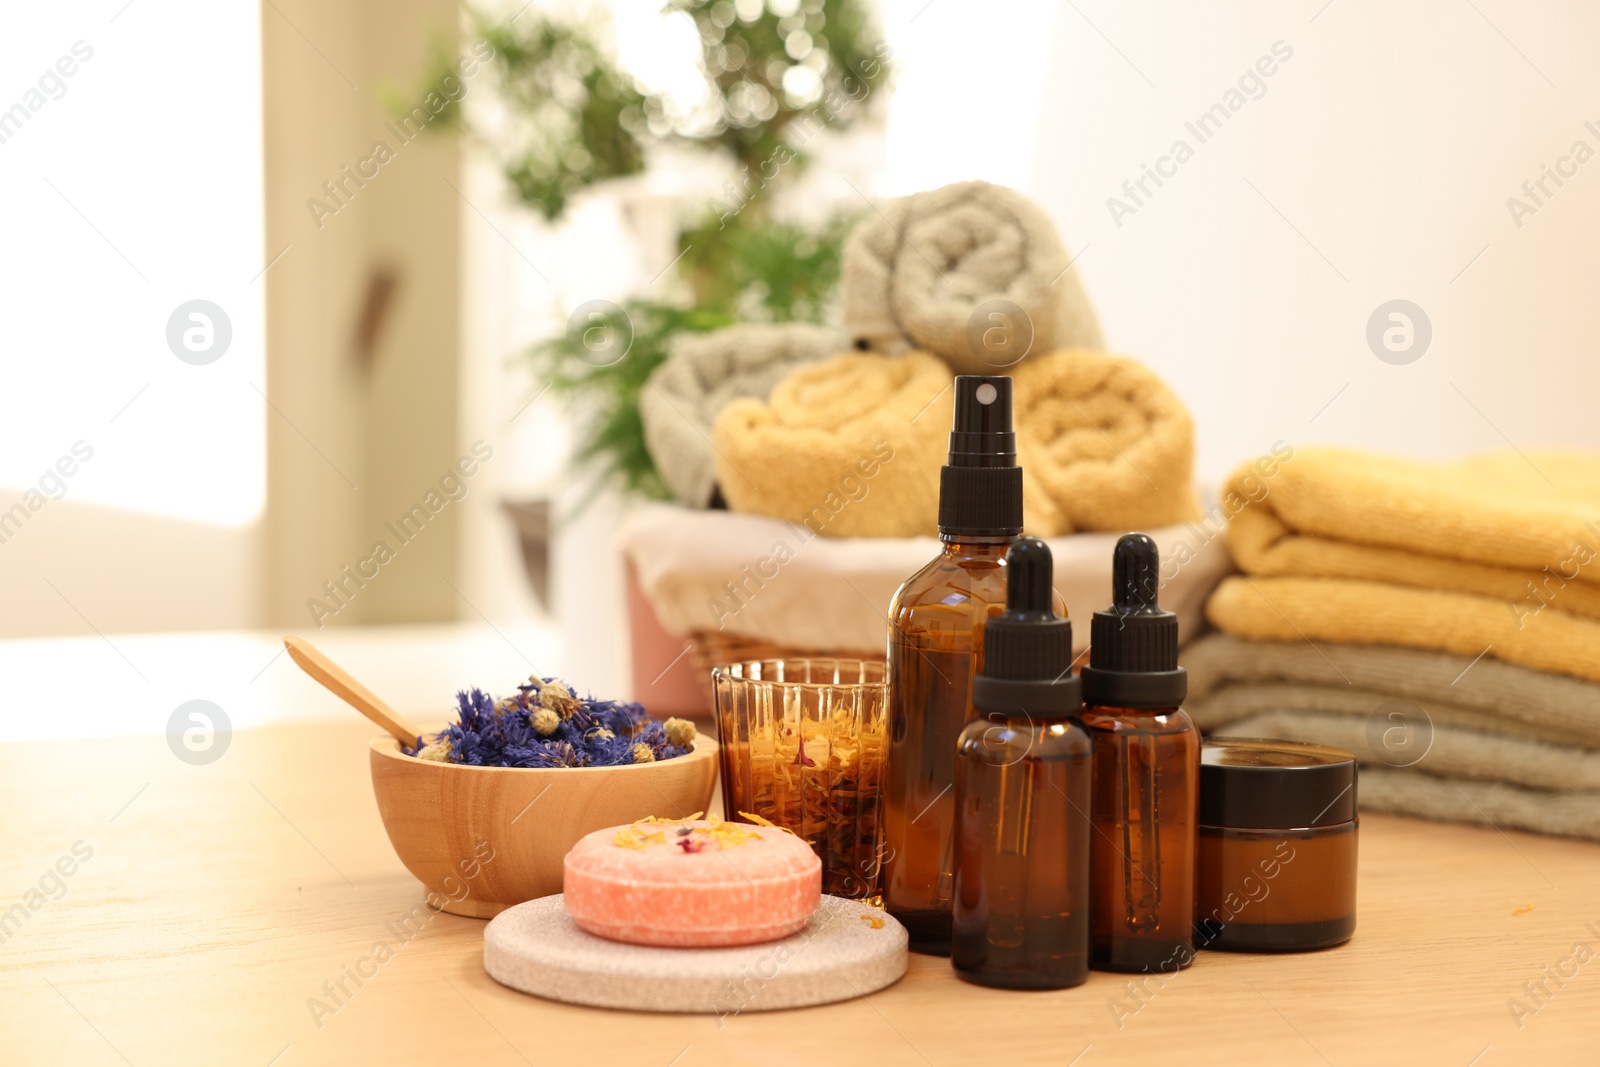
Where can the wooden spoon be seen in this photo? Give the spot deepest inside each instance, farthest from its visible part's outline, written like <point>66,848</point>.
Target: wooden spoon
<point>338,681</point>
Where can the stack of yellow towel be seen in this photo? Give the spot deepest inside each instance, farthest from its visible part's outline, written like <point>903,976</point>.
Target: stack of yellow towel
<point>1444,565</point>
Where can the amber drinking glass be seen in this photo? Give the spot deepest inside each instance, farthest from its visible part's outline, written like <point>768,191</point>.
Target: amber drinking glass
<point>803,746</point>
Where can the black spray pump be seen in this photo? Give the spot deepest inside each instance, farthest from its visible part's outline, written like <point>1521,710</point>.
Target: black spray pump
<point>1133,645</point>
<point>1027,651</point>
<point>980,487</point>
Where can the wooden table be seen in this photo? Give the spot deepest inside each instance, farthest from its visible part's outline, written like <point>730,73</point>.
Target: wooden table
<point>218,903</point>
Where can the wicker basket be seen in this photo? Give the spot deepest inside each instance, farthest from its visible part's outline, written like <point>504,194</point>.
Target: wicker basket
<point>712,648</point>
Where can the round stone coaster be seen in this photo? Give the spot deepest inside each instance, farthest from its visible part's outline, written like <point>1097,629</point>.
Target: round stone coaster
<point>847,950</point>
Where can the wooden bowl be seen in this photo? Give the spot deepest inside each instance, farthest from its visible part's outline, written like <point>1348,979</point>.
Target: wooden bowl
<point>482,839</point>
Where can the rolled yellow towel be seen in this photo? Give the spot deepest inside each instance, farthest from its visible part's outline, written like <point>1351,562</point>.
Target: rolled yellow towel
<point>842,446</point>
<point>705,371</point>
<point>1103,443</point>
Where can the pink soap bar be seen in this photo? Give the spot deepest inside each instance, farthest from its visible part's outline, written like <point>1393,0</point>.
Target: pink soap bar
<point>692,884</point>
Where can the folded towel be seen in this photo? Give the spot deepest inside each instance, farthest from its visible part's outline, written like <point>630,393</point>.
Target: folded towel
<point>1452,752</point>
<point>1355,612</point>
<point>972,272</point>
<point>777,582</point>
<point>1517,528</point>
<point>1494,555</point>
<point>1503,807</point>
<point>706,370</point>
<point>1517,748</point>
<point>1103,443</point>
<point>1225,672</point>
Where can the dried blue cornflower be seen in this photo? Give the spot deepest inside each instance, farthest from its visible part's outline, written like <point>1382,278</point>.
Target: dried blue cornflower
<point>547,725</point>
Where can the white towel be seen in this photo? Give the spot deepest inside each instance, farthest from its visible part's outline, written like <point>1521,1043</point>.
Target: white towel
<point>776,581</point>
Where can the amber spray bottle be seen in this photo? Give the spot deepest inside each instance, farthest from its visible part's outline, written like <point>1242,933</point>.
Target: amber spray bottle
<point>1021,909</point>
<point>935,649</point>
<point>1146,775</point>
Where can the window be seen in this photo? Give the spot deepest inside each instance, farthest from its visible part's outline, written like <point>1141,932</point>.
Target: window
<point>130,164</point>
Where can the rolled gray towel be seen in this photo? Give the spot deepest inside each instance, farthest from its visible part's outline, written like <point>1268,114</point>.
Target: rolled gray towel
<point>703,372</point>
<point>974,273</point>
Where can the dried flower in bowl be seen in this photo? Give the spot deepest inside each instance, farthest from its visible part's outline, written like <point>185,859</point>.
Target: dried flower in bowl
<point>547,725</point>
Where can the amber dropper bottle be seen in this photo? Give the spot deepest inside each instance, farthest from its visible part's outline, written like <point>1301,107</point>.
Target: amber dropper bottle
<point>936,648</point>
<point>1146,775</point>
<point>1021,908</point>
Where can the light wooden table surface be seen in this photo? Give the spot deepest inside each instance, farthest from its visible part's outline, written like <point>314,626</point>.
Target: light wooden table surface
<point>217,901</point>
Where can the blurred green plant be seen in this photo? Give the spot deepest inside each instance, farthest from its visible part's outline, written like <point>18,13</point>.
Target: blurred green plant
<point>573,117</point>
<point>765,272</point>
<point>777,72</point>
<point>611,442</point>
<point>773,64</point>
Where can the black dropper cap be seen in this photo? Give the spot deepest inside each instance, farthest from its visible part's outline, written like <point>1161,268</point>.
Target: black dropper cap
<point>1133,645</point>
<point>980,486</point>
<point>1027,651</point>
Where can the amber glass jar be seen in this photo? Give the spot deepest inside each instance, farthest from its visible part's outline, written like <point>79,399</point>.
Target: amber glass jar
<point>1278,832</point>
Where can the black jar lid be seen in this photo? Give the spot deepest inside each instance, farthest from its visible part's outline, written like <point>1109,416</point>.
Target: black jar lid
<point>1258,784</point>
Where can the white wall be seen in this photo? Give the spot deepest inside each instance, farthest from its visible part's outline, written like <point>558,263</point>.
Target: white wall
<point>75,568</point>
<point>1389,141</point>
<point>112,223</point>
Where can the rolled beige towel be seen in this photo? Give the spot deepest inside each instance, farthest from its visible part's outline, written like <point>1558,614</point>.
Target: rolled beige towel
<point>704,372</point>
<point>974,273</point>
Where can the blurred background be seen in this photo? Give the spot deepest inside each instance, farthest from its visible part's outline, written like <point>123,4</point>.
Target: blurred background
<point>274,274</point>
